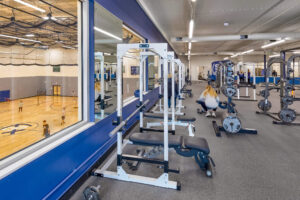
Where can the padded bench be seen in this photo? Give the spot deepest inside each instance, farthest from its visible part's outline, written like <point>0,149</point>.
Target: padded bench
<point>161,116</point>
<point>186,146</point>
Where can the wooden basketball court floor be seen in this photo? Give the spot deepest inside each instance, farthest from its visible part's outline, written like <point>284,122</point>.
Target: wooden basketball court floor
<point>21,129</point>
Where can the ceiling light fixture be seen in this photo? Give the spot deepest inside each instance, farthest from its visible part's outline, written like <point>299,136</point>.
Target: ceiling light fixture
<point>296,52</point>
<point>193,0</point>
<point>107,54</point>
<point>275,55</point>
<point>29,35</point>
<point>235,55</point>
<point>29,5</point>
<point>13,37</point>
<point>226,24</point>
<point>226,58</point>
<point>249,51</point>
<point>107,33</point>
<point>190,45</point>
<point>191,28</point>
<point>68,47</point>
<point>273,43</point>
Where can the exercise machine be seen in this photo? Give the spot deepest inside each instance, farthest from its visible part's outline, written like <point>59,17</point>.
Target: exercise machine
<point>230,121</point>
<point>184,145</point>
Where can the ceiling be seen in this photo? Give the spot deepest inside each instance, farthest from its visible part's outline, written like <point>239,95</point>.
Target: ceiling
<point>56,26</point>
<point>244,17</point>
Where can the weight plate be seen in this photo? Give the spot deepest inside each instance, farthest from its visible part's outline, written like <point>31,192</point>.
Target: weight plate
<point>231,124</point>
<point>287,115</point>
<point>229,80</point>
<point>288,88</point>
<point>229,91</point>
<point>264,106</point>
<point>288,100</point>
<point>264,93</point>
<point>91,193</point>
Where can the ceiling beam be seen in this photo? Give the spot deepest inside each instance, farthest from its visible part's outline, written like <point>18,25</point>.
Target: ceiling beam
<point>254,36</point>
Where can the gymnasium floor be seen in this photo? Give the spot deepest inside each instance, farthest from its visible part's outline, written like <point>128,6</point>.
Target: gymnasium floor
<point>28,125</point>
<point>248,167</point>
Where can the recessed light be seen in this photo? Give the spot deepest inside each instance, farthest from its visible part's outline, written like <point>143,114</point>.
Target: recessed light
<point>29,35</point>
<point>226,24</point>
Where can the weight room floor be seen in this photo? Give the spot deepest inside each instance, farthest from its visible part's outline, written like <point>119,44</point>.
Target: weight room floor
<point>263,166</point>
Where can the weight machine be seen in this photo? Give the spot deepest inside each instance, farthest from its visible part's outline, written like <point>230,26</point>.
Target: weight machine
<point>246,84</point>
<point>183,146</point>
<point>230,121</point>
<point>286,116</point>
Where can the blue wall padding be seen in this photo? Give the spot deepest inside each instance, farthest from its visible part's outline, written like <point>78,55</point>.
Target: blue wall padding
<point>4,95</point>
<point>52,174</point>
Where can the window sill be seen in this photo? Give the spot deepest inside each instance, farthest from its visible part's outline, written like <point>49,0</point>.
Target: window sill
<point>19,159</point>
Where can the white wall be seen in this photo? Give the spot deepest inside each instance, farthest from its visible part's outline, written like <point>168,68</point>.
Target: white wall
<point>203,63</point>
<point>29,71</point>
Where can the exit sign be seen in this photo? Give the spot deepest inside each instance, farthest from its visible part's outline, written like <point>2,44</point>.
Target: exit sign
<point>144,46</point>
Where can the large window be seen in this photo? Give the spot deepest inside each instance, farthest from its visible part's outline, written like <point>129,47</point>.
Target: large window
<point>109,31</point>
<point>39,71</point>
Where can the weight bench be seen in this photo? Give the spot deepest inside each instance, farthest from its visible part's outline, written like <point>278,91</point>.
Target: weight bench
<point>179,121</point>
<point>184,145</point>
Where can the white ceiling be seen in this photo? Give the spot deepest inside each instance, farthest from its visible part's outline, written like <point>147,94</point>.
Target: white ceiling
<point>244,16</point>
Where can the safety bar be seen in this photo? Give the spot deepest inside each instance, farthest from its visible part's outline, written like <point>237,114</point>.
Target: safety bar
<point>123,123</point>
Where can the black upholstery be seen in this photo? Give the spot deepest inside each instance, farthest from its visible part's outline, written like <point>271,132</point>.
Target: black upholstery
<point>196,143</point>
<point>155,115</point>
<point>161,116</point>
<point>155,139</point>
<point>186,119</point>
<point>175,141</point>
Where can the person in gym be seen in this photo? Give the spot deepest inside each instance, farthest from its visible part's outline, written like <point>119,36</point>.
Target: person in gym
<point>209,101</point>
<point>46,130</point>
<point>21,106</point>
<point>63,115</point>
<point>249,76</point>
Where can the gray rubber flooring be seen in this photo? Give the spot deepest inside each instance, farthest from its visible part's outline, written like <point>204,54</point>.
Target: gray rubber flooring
<point>248,167</point>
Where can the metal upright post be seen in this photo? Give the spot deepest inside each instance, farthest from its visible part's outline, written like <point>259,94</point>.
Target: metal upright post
<point>282,77</point>
<point>265,68</point>
<point>142,60</point>
<point>173,93</point>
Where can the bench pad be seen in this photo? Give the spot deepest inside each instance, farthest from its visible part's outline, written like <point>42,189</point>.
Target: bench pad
<point>155,139</point>
<point>196,143</point>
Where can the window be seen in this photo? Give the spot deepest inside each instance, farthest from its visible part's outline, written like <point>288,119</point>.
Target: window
<point>39,71</point>
<point>109,31</point>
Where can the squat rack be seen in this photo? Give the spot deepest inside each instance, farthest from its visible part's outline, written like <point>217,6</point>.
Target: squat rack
<point>163,180</point>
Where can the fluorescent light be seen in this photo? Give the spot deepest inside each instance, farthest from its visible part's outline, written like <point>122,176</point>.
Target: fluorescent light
<point>9,36</point>
<point>29,5</point>
<point>193,0</point>
<point>190,45</point>
<point>275,55</point>
<point>107,54</point>
<point>29,35</point>
<point>107,33</point>
<point>249,51</point>
<point>272,44</point>
<point>235,55</point>
<point>191,28</point>
<point>226,24</point>
<point>226,58</point>
<point>296,51</point>
<point>189,52</point>
<point>46,18</point>
<point>68,47</point>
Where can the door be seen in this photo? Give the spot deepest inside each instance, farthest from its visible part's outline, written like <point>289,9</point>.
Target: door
<point>56,90</point>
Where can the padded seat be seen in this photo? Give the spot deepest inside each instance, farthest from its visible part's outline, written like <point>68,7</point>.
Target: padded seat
<point>197,143</point>
<point>154,139</point>
<point>156,115</point>
<point>186,119</point>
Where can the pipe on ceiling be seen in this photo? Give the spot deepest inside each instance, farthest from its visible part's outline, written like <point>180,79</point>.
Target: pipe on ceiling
<point>255,36</point>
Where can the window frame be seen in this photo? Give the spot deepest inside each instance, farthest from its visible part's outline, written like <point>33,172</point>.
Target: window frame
<point>19,159</point>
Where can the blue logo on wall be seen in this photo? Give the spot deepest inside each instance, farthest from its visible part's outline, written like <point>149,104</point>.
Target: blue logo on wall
<point>12,129</point>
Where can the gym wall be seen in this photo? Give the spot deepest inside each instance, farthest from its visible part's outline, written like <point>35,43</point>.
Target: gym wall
<point>20,74</point>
